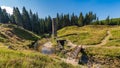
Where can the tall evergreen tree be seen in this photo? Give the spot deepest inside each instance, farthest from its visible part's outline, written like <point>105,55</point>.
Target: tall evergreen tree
<point>107,21</point>
<point>1,16</point>
<point>80,20</point>
<point>12,19</point>
<point>35,23</point>
<point>31,20</point>
<point>49,24</point>
<point>61,21</point>
<point>58,21</point>
<point>17,16</point>
<point>74,20</point>
<point>26,19</point>
<point>5,16</point>
<point>66,20</point>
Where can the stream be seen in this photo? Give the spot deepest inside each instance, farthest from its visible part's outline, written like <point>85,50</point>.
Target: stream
<point>46,50</point>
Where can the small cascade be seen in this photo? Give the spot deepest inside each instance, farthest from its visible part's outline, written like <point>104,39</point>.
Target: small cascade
<point>83,58</point>
<point>75,52</point>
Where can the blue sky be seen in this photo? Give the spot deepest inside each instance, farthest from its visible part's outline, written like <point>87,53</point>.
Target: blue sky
<point>102,8</point>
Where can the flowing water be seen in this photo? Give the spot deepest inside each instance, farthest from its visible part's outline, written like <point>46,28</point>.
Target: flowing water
<point>46,50</point>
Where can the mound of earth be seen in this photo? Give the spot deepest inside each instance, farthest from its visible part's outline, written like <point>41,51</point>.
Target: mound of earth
<point>16,37</point>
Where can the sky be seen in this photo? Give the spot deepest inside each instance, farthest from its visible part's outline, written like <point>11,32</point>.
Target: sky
<point>102,8</point>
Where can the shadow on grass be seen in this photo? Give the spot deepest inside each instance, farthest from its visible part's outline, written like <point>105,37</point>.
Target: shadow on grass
<point>23,34</point>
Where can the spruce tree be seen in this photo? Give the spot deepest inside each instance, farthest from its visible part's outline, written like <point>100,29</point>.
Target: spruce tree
<point>17,16</point>
<point>80,20</point>
<point>26,19</point>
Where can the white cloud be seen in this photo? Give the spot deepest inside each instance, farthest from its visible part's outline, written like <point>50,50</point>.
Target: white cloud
<point>8,9</point>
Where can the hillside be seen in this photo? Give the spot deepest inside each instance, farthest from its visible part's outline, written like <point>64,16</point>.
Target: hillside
<point>16,37</point>
<point>29,59</point>
<point>101,42</point>
<point>15,52</point>
<point>113,20</point>
<point>88,35</point>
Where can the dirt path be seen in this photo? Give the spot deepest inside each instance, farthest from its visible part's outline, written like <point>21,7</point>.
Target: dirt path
<point>103,42</point>
<point>73,61</point>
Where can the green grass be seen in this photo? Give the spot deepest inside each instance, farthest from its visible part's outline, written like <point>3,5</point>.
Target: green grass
<point>28,59</point>
<point>86,35</point>
<point>104,52</point>
<point>23,34</point>
<point>90,35</point>
<point>115,37</point>
<point>94,34</point>
<point>17,37</point>
<point>113,43</point>
<point>115,34</point>
<point>110,57</point>
<point>114,20</point>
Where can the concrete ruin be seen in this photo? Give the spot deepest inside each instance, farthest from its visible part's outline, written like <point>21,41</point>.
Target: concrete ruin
<point>54,28</point>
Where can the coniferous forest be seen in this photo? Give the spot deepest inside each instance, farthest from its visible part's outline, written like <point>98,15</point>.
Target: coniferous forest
<point>31,21</point>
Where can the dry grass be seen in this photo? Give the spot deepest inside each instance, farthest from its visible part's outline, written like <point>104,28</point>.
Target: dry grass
<point>86,35</point>
<point>17,37</point>
<point>105,56</point>
<point>28,59</point>
<point>115,37</point>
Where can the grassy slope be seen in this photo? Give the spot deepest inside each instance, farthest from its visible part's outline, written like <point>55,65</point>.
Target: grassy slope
<point>115,37</point>
<point>116,20</point>
<point>83,35</point>
<point>19,38</point>
<point>91,34</point>
<point>108,57</point>
<point>16,37</point>
<point>28,59</point>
